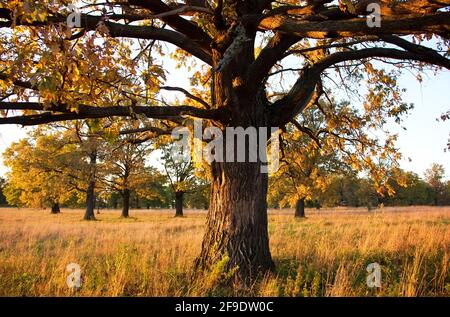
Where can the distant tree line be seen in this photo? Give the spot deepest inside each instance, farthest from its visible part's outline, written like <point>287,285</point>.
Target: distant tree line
<point>342,190</point>
<point>164,198</point>
<point>92,165</point>
<point>408,189</point>
<point>104,164</point>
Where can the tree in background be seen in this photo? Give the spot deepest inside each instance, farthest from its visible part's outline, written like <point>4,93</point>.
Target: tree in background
<point>434,176</point>
<point>38,175</point>
<point>413,191</point>
<point>3,200</point>
<point>180,175</point>
<point>347,189</point>
<point>447,194</point>
<point>87,158</point>
<point>125,170</point>
<point>323,145</point>
<point>153,191</point>
<point>305,166</point>
<point>199,198</point>
<point>88,138</point>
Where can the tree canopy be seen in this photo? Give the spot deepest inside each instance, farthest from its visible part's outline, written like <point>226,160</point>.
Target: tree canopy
<point>72,70</point>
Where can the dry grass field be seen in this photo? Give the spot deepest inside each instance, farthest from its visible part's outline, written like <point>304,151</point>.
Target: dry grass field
<point>153,253</point>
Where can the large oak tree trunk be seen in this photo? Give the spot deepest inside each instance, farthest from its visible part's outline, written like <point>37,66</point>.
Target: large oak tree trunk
<point>55,208</point>
<point>237,220</point>
<point>126,203</point>
<point>179,204</point>
<point>300,208</point>
<point>236,230</point>
<point>90,194</point>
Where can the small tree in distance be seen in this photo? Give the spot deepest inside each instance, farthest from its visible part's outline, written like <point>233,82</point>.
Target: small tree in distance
<point>38,176</point>
<point>180,176</point>
<point>125,170</point>
<point>435,179</point>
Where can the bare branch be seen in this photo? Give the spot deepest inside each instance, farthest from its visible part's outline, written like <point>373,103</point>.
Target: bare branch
<point>307,131</point>
<point>187,94</point>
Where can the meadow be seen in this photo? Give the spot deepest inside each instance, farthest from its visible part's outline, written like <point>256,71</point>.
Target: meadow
<point>152,253</point>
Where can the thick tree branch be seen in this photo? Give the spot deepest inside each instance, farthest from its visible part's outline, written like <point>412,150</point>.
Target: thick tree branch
<point>272,53</point>
<point>182,10</point>
<point>151,33</point>
<point>334,45</point>
<point>401,25</point>
<point>64,113</point>
<point>188,28</point>
<point>301,93</point>
<point>89,22</point>
<point>146,129</point>
<point>414,48</point>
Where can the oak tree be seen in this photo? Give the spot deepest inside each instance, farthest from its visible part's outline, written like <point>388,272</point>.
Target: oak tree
<point>125,169</point>
<point>38,172</point>
<point>236,50</point>
<point>180,175</point>
<point>435,179</point>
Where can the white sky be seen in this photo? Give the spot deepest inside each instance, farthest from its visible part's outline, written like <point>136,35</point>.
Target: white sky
<point>426,138</point>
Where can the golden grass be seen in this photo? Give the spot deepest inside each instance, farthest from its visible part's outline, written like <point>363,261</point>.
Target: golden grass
<point>152,254</point>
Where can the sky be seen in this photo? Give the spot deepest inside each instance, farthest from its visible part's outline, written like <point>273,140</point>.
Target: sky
<point>425,139</point>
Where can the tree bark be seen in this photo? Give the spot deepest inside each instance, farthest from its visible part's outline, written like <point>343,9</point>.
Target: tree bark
<point>55,208</point>
<point>126,203</point>
<point>179,204</point>
<point>90,202</point>
<point>90,195</point>
<point>236,231</point>
<point>237,218</point>
<point>236,234</point>
<point>300,208</point>
<point>237,221</point>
